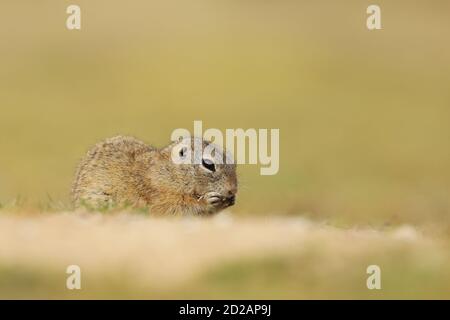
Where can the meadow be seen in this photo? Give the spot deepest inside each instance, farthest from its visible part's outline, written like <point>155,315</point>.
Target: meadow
<point>364,146</point>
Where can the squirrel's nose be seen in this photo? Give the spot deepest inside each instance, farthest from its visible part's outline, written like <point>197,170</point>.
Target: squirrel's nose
<point>231,199</point>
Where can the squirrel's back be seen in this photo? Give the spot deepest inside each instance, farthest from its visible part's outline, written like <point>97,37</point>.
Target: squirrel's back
<point>109,171</point>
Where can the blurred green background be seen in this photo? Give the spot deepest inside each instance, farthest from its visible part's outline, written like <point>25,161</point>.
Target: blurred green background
<point>363,115</point>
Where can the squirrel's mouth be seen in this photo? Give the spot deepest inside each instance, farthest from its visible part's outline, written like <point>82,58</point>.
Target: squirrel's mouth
<point>229,201</point>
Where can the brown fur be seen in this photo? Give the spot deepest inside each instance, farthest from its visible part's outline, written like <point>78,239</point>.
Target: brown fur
<point>126,171</point>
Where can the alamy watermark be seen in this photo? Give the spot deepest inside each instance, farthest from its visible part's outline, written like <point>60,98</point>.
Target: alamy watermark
<point>73,21</point>
<point>73,281</point>
<point>373,21</point>
<point>235,142</point>
<point>374,280</point>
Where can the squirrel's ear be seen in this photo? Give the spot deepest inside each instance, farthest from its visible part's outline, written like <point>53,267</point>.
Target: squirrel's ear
<point>179,134</point>
<point>178,139</point>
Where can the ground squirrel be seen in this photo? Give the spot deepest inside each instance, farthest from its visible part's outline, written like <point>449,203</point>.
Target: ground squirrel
<point>125,171</point>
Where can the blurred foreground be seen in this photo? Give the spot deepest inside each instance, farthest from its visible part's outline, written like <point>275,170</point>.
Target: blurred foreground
<point>125,255</point>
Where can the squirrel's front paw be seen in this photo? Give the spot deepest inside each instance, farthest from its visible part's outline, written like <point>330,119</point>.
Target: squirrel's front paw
<point>214,200</point>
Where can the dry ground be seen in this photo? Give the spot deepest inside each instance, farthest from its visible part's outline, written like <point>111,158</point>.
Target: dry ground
<point>130,255</point>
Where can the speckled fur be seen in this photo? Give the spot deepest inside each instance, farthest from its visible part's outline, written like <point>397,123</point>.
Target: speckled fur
<point>125,171</point>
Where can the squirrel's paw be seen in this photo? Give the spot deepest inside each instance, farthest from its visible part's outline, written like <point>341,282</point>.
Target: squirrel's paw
<point>213,199</point>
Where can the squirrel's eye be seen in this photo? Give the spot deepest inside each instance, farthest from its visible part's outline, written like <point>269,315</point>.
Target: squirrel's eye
<point>182,152</point>
<point>208,164</point>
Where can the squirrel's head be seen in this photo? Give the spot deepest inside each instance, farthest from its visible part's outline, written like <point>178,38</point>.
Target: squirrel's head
<point>198,167</point>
